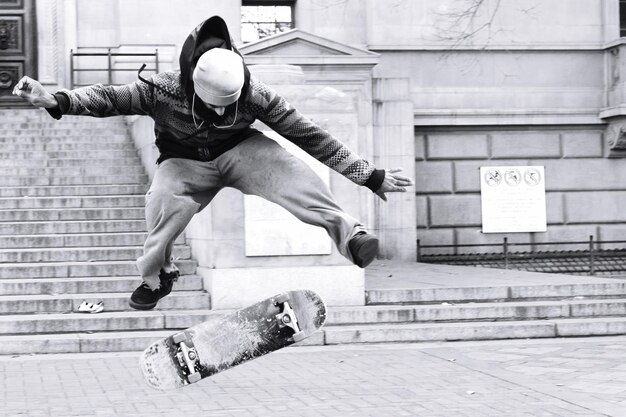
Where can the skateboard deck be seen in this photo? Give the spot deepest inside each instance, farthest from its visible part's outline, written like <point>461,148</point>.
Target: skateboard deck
<point>219,344</point>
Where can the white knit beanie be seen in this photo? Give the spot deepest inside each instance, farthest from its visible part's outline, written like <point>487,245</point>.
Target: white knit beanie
<point>218,77</point>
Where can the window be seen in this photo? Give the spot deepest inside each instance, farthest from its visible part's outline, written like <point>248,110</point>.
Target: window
<point>262,18</point>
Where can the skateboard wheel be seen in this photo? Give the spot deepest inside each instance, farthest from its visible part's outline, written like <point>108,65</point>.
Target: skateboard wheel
<point>179,337</point>
<point>298,337</point>
<point>281,298</point>
<point>195,377</point>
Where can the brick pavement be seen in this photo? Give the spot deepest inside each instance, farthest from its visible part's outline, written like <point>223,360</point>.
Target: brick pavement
<point>573,377</point>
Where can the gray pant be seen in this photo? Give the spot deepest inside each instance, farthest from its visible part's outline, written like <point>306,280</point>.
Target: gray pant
<point>258,166</point>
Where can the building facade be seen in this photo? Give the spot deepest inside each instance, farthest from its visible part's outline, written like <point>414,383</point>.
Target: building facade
<point>440,88</point>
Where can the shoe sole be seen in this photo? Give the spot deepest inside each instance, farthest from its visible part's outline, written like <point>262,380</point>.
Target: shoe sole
<point>367,253</point>
<point>137,306</point>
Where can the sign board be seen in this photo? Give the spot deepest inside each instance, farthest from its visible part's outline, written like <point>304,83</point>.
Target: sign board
<point>513,199</point>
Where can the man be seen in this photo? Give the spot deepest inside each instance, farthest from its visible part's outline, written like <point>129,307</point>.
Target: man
<point>202,116</point>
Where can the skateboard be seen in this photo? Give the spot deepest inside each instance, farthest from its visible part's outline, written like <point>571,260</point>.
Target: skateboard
<point>221,343</point>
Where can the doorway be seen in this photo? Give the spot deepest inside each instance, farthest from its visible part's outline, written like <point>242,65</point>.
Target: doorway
<point>18,49</point>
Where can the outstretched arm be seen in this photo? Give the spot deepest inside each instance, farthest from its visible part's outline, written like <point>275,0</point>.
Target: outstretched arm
<point>33,92</point>
<point>96,100</point>
<point>278,114</point>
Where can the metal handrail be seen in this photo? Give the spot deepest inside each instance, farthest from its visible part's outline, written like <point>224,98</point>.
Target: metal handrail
<point>109,68</point>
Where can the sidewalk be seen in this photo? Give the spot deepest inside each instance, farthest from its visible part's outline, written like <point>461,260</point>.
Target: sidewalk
<point>388,275</point>
<point>574,377</point>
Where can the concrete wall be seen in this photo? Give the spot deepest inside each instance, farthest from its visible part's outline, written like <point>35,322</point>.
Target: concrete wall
<point>585,191</point>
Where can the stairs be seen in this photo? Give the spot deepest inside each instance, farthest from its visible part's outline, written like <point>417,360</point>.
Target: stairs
<point>71,227</point>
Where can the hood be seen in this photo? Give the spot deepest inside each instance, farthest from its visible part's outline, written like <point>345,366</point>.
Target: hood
<point>212,33</point>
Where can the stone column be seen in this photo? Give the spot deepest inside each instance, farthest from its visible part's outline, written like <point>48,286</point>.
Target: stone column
<point>394,146</point>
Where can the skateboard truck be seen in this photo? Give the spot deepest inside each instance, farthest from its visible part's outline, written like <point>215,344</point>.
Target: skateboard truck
<point>287,318</point>
<point>187,356</point>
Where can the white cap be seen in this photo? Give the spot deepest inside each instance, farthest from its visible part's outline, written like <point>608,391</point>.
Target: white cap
<point>218,77</point>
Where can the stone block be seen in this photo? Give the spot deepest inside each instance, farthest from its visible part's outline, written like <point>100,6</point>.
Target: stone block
<point>595,207</point>
<point>420,147</point>
<point>555,211</point>
<point>421,211</point>
<point>337,285</point>
<point>455,210</point>
<point>584,174</point>
<point>459,146</point>
<point>587,144</point>
<point>525,145</point>
<point>433,177</point>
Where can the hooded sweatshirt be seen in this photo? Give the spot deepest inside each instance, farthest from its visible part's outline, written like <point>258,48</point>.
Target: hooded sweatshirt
<point>185,128</point>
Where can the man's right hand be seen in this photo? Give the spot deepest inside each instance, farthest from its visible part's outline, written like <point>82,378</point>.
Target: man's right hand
<point>33,92</point>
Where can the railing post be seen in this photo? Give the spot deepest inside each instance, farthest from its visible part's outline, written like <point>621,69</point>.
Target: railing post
<point>156,58</point>
<point>505,249</point>
<point>592,267</point>
<point>71,69</point>
<point>419,252</point>
<point>109,67</point>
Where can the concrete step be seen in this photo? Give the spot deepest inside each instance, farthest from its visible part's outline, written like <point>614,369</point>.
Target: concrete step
<point>114,341</point>
<point>73,148</point>
<point>162,324</point>
<point>72,227</point>
<point>76,240</point>
<point>62,304</point>
<point>73,190</point>
<point>87,285</point>
<point>81,269</point>
<point>13,137</point>
<point>71,171</point>
<point>431,332</point>
<point>504,311</point>
<point>33,215</point>
<point>22,156</point>
<point>42,161</point>
<point>30,181</point>
<point>87,254</point>
<point>61,125</point>
<point>161,319</point>
<point>72,202</point>
<point>123,341</point>
<point>498,293</point>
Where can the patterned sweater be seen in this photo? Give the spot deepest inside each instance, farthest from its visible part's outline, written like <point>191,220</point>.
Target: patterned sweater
<point>179,135</point>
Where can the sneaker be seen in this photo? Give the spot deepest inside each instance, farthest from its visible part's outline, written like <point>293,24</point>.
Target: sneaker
<point>364,248</point>
<point>144,297</point>
<point>167,281</point>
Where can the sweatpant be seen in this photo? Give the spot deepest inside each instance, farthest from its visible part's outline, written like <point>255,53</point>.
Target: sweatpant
<point>257,166</point>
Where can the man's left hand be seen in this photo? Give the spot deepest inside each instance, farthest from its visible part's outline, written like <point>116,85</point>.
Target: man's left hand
<point>393,183</point>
